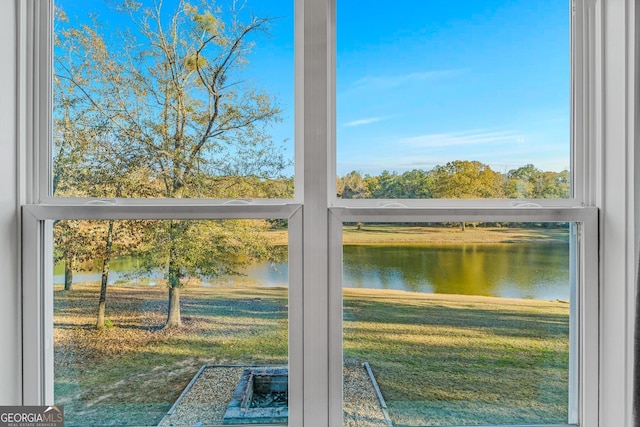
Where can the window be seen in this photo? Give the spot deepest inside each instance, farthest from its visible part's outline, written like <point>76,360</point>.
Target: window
<point>453,100</point>
<point>230,307</point>
<point>179,100</point>
<point>454,331</point>
<point>126,163</point>
<point>79,369</point>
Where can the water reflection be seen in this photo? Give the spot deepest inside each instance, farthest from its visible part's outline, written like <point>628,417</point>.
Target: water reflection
<point>514,270</point>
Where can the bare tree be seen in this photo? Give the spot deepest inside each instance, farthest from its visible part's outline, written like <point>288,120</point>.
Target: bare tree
<point>171,93</point>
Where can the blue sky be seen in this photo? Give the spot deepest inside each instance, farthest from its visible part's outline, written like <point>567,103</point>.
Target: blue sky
<point>427,82</point>
<point>430,81</point>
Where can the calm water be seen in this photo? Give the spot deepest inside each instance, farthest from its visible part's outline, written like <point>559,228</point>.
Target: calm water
<point>527,270</point>
<point>514,270</point>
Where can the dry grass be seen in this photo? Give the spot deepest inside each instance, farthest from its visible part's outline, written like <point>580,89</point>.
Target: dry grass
<point>400,234</point>
<point>379,234</point>
<point>455,360</point>
<point>439,359</point>
<point>131,373</point>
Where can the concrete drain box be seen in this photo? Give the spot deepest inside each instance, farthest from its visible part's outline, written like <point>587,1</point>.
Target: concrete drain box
<point>261,397</point>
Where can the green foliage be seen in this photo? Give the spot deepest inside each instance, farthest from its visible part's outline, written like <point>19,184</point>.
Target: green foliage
<point>415,184</point>
<point>205,249</point>
<point>352,186</point>
<point>162,110</point>
<point>463,179</point>
<point>530,182</point>
<point>459,179</point>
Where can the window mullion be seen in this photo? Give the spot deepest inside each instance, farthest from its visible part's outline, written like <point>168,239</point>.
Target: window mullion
<point>315,121</point>
<point>33,346</point>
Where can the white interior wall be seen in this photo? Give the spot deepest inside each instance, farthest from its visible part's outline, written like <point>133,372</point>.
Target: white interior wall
<point>617,216</point>
<point>617,203</point>
<point>10,365</point>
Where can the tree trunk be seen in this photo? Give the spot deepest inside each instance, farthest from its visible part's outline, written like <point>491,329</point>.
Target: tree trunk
<point>463,226</point>
<point>174,318</point>
<point>105,277</point>
<point>68,272</point>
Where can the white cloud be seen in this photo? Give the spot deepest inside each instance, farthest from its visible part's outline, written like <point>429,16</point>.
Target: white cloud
<point>470,137</point>
<point>366,121</point>
<point>388,82</point>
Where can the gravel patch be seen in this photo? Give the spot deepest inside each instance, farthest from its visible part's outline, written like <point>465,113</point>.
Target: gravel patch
<point>206,401</point>
<point>359,401</point>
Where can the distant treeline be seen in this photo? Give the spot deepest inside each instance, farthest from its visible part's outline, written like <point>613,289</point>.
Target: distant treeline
<point>459,179</point>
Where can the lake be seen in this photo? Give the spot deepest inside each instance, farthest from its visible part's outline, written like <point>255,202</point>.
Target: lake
<point>511,270</point>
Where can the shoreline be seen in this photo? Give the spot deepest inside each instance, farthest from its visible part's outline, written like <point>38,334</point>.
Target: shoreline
<point>391,234</point>
<point>347,291</point>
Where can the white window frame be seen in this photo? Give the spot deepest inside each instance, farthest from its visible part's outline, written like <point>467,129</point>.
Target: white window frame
<point>38,381</point>
<point>317,210</point>
<point>584,293</point>
<point>583,31</point>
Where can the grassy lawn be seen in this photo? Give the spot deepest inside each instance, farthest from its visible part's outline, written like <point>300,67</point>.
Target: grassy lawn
<point>439,359</point>
<point>131,373</point>
<point>402,234</point>
<point>460,360</point>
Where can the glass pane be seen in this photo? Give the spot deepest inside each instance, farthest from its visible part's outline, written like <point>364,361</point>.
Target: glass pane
<point>171,322</point>
<point>458,325</point>
<point>173,99</point>
<point>453,99</point>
